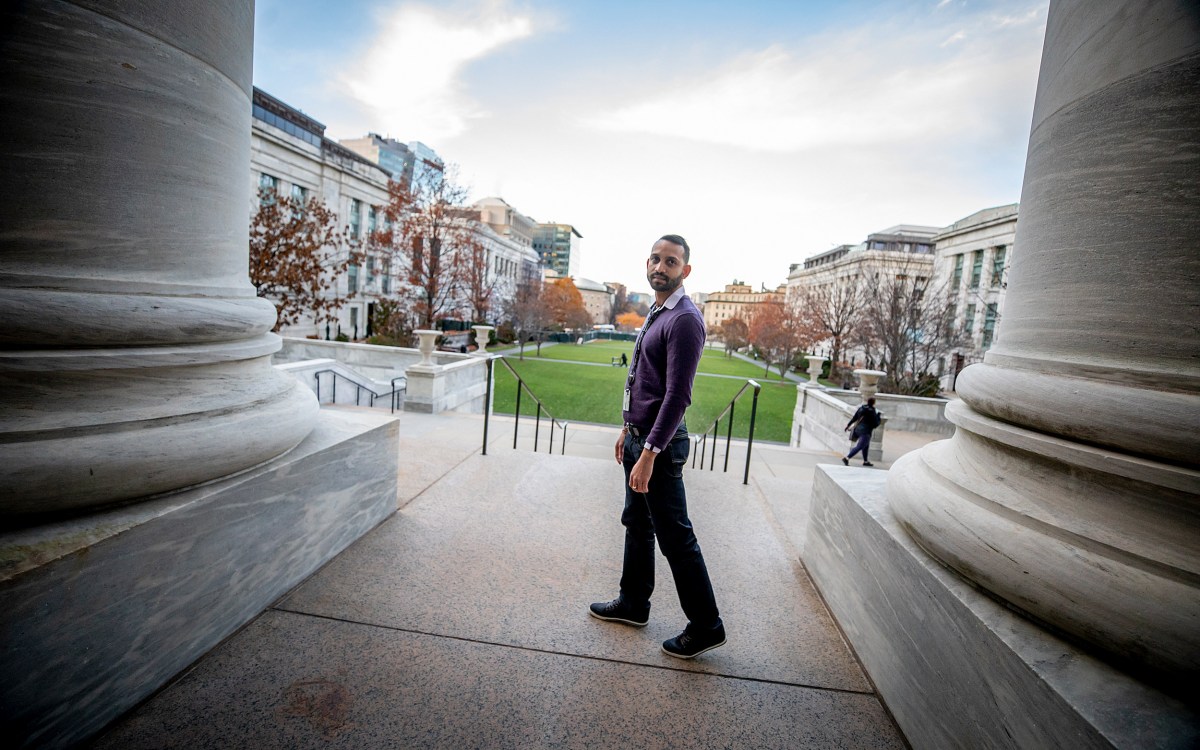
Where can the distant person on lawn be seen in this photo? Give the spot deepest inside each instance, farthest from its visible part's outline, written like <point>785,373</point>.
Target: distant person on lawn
<point>653,448</point>
<point>864,422</point>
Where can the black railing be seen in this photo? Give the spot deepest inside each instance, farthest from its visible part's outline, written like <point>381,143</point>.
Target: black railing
<point>394,394</point>
<point>715,427</point>
<point>537,424</point>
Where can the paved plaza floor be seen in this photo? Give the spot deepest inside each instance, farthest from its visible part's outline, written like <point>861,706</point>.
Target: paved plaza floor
<point>461,621</point>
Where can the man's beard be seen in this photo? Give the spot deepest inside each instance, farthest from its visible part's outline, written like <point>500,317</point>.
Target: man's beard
<point>664,283</point>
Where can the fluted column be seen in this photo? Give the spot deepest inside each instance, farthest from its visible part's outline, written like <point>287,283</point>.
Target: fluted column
<point>134,355</point>
<point>1070,488</point>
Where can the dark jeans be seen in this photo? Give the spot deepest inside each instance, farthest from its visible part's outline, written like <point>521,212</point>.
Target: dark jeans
<point>864,443</point>
<point>662,512</point>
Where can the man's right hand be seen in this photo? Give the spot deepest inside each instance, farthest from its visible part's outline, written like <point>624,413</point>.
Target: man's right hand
<point>620,448</point>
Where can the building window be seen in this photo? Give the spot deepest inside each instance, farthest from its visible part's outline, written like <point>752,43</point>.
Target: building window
<point>355,217</point>
<point>372,218</point>
<point>352,280</point>
<point>387,276</point>
<point>300,194</point>
<point>969,321</point>
<point>998,265</point>
<point>268,186</point>
<point>956,278</point>
<point>989,325</point>
<point>976,268</point>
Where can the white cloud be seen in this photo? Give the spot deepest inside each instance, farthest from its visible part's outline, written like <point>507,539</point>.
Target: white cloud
<point>954,38</point>
<point>1033,15</point>
<point>409,78</point>
<point>870,86</point>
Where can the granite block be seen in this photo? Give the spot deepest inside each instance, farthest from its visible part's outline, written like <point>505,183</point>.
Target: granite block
<point>295,681</point>
<point>510,548</point>
<point>930,640</point>
<point>97,613</point>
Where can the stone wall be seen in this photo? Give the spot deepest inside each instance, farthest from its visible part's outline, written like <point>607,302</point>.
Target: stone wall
<point>455,382</point>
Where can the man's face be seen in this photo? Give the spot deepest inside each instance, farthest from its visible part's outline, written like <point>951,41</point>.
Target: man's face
<point>665,269</point>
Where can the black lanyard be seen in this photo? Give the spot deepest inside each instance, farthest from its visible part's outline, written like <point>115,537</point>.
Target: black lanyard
<point>637,346</point>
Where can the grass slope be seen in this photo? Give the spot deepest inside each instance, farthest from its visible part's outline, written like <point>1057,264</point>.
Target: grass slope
<point>592,393</point>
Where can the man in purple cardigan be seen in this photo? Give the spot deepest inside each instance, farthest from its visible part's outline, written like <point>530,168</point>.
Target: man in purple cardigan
<point>653,448</point>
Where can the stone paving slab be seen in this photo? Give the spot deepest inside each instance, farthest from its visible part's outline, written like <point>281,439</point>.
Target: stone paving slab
<point>294,681</point>
<point>461,622</point>
<point>510,548</point>
<point>788,501</point>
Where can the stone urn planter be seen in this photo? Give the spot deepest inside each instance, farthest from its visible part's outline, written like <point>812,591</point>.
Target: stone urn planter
<point>868,382</point>
<point>483,334</point>
<point>428,339</point>
<point>815,364</point>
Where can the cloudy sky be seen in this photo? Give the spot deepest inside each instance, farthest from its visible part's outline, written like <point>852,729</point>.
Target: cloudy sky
<point>762,131</point>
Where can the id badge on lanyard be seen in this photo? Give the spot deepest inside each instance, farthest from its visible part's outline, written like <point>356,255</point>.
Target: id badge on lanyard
<point>625,402</point>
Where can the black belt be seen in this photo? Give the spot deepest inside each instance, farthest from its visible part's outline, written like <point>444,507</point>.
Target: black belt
<point>642,432</point>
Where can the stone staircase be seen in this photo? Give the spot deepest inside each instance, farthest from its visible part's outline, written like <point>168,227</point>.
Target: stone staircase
<point>461,621</point>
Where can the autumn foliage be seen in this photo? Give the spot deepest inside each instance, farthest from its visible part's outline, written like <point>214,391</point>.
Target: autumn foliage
<point>297,253</point>
<point>780,331</point>
<point>564,305</point>
<point>426,234</point>
<point>735,333</point>
<point>630,320</point>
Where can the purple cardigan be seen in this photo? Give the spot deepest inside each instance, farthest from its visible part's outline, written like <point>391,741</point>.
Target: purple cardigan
<point>662,386</point>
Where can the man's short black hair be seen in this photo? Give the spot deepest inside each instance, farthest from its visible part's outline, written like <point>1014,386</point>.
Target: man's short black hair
<point>675,239</point>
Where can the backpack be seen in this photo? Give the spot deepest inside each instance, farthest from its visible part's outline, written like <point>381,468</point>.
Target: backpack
<point>873,418</point>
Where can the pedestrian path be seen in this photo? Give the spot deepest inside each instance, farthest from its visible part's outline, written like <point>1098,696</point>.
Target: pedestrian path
<point>461,621</point>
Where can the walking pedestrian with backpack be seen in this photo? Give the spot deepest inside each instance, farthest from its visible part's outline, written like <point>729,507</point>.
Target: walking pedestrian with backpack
<point>864,422</point>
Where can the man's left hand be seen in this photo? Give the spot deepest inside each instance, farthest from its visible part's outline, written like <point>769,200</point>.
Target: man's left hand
<point>639,477</point>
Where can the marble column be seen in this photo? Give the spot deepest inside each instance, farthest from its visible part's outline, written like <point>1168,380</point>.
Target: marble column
<point>1071,487</point>
<point>135,357</point>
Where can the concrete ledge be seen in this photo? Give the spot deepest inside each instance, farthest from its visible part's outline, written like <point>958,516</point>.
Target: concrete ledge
<point>956,668</point>
<point>96,613</point>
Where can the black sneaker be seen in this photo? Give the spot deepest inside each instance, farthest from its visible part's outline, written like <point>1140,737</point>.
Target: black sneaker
<point>689,644</point>
<point>618,611</point>
<point>867,463</point>
<point>845,462</point>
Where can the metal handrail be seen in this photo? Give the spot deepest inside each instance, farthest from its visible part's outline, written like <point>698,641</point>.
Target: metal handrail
<point>716,425</point>
<point>395,391</point>
<point>487,411</point>
<point>358,388</point>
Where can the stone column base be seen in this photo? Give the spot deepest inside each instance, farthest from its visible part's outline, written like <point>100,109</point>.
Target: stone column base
<point>97,613</point>
<point>955,667</point>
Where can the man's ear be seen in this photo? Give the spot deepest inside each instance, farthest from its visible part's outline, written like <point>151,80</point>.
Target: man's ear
<point>686,270</point>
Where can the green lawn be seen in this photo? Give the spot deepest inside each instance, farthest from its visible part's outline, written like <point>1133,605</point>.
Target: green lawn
<point>602,351</point>
<point>586,393</point>
<point>715,362</point>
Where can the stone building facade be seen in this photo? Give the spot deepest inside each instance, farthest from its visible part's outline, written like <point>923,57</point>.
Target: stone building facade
<point>290,155</point>
<point>902,250</point>
<point>507,236</point>
<point>738,300</point>
<point>971,264</point>
<point>597,299</point>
